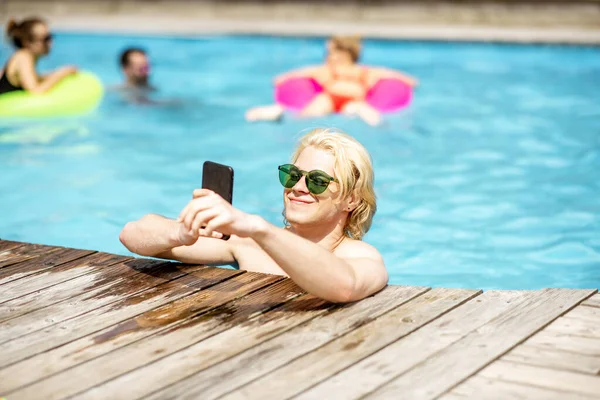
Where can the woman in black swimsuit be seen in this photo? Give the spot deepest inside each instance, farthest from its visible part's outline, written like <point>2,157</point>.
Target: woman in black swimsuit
<point>33,40</point>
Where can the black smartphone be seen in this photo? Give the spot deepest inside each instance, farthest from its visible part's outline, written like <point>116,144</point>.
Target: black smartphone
<point>219,179</point>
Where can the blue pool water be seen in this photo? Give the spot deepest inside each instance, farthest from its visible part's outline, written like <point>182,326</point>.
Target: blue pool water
<point>489,180</point>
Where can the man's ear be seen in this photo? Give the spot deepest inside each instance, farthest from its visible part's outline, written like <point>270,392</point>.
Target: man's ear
<point>353,201</point>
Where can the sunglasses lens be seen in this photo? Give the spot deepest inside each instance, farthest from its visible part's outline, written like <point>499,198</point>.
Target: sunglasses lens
<point>316,182</point>
<point>289,175</point>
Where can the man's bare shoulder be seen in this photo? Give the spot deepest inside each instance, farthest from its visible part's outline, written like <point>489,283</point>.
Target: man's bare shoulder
<point>367,262</point>
<point>351,248</point>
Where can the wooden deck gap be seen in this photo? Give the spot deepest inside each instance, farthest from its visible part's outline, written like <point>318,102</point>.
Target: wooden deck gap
<point>590,305</point>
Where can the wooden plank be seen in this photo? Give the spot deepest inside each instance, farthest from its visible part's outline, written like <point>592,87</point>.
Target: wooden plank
<point>482,388</point>
<point>587,313</point>
<point>9,244</point>
<point>257,335</point>
<point>554,358</point>
<point>23,253</point>
<point>560,341</point>
<point>277,376</point>
<point>453,396</point>
<point>80,289</point>
<point>381,367</point>
<point>593,301</point>
<point>460,360</point>
<point>265,326</point>
<point>185,332</point>
<point>51,258</point>
<point>576,326</point>
<point>111,314</point>
<point>106,290</point>
<point>225,316</point>
<point>565,381</point>
<point>96,263</point>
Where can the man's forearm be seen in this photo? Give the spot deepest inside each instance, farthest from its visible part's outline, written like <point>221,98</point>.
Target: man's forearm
<point>151,235</point>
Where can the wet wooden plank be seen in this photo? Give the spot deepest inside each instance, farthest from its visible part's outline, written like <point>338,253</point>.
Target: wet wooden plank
<point>10,244</point>
<point>593,301</point>
<point>40,284</point>
<point>555,340</point>
<point>133,277</point>
<point>565,381</point>
<point>99,282</point>
<point>189,328</point>
<point>170,367</point>
<point>482,388</point>
<point>554,358</point>
<point>25,252</point>
<point>226,315</point>
<point>111,314</point>
<point>373,371</point>
<point>286,376</point>
<point>52,258</point>
<point>286,334</point>
<point>455,363</point>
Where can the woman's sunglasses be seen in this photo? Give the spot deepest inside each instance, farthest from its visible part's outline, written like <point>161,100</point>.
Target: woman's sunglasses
<point>45,39</point>
<point>316,181</point>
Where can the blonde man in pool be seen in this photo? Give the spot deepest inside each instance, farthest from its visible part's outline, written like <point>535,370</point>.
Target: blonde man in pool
<point>329,203</point>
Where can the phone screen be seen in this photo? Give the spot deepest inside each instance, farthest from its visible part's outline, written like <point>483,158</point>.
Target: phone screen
<point>219,179</point>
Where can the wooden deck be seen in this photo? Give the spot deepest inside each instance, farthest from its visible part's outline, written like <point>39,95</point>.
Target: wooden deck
<point>83,324</point>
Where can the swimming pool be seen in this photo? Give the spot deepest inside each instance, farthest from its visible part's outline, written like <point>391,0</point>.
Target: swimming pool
<point>489,180</point>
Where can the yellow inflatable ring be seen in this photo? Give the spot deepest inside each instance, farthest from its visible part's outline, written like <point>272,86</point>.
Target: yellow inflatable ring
<point>73,95</point>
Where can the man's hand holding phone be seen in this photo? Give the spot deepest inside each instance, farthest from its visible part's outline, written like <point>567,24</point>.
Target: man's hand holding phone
<point>209,215</point>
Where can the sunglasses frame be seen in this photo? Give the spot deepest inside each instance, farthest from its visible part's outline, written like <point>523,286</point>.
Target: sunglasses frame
<point>46,39</point>
<point>310,184</point>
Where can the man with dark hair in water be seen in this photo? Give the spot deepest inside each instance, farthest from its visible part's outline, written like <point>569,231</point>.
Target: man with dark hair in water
<point>136,68</point>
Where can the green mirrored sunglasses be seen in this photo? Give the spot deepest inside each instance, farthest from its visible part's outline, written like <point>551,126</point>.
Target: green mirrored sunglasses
<point>316,181</point>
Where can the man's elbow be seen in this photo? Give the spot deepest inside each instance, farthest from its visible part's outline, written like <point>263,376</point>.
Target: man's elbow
<point>352,291</point>
<point>126,236</point>
<point>130,238</point>
<point>346,292</point>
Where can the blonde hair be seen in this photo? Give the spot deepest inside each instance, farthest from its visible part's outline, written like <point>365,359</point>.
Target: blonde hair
<point>354,171</point>
<point>350,44</point>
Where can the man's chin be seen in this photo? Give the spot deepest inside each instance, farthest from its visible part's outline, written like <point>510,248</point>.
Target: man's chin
<point>142,82</point>
<point>296,218</point>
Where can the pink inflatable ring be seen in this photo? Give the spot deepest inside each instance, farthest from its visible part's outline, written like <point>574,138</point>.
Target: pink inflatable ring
<point>387,95</point>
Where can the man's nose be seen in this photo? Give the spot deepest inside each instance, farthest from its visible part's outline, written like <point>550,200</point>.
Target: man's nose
<point>300,186</point>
